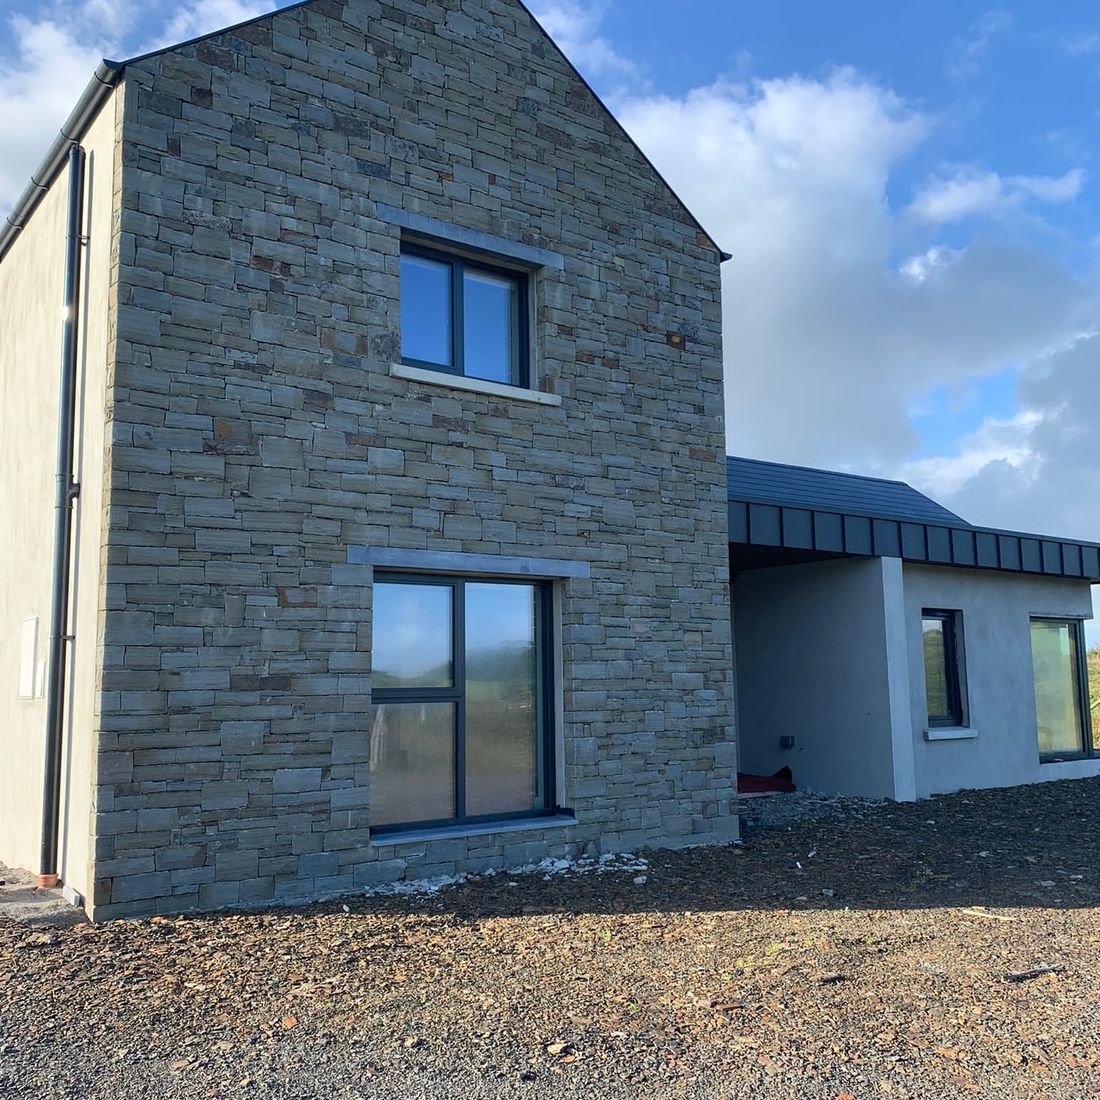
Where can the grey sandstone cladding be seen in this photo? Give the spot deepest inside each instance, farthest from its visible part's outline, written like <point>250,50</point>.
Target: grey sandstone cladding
<point>258,433</point>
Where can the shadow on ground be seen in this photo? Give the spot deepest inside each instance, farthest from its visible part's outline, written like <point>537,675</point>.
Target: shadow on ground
<point>1016,847</point>
<point>839,957</point>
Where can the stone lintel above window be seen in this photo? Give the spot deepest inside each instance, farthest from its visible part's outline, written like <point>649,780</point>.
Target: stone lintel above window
<point>453,561</point>
<point>488,244</point>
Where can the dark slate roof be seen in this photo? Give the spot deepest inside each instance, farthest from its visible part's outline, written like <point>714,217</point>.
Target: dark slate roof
<point>810,514</point>
<point>830,491</point>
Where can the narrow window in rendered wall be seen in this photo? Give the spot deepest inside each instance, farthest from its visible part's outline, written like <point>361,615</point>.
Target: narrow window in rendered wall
<point>943,679</point>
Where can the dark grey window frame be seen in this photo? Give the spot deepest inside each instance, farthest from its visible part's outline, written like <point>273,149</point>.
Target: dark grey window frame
<point>546,741</point>
<point>459,264</point>
<point>1084,703</point>
<point>954,680</point>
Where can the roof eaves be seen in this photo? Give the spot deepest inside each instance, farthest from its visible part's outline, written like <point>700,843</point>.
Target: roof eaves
<point>106,76</point>
<point>162,50</point>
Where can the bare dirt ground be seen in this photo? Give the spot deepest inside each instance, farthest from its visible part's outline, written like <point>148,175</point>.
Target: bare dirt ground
<point>881,951</point>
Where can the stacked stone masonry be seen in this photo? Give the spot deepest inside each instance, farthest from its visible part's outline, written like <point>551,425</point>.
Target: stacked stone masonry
<point>257,434</point>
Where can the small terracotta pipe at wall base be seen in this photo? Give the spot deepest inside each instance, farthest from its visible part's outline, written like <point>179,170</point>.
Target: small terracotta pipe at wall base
<point>48,882</point>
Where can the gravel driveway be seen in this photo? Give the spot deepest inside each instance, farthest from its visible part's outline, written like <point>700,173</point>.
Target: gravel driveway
<point>886,951</point>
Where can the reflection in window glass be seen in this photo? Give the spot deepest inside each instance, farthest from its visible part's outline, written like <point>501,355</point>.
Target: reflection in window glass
<point>460,729</point>
<point>412,636</point>
<point>490,311</point>
<point>935,668</point>
<point>425,310</point>
<point>1056,668</point>
<point>944,683</point>
<point>501,696</point>
<point>1093,658</point>
<point>412,763</point>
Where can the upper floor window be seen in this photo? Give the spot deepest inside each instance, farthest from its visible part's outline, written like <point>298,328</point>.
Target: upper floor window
<point>943,682</point>
<point>463,316</point>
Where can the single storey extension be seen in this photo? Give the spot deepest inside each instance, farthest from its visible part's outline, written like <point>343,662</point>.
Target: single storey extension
<point>887,648</point>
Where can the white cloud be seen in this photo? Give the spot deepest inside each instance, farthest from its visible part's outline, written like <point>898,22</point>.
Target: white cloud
<point>830,336</point>
<point>51,58</point>
<point>38,88</point>
<point>929,264</point>
<point>575,27</point>
<point>1077,45</point>
<point>969,193</point>
<point>203,16</point>
<point>1041,470</point>
<point>997,442</point>
<point>971,52</point>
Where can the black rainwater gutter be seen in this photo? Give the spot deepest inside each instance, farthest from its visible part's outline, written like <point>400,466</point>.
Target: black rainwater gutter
<point>65,495</point>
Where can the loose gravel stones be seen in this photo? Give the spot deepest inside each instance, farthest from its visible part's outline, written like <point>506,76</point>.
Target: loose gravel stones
<point>938,949</point>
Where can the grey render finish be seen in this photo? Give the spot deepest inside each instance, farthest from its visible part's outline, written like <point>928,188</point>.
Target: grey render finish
<point>833,576</point>
<point>257,434</point>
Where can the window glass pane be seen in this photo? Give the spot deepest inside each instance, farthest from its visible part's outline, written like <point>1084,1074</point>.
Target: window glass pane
<point>425,310</point>
<point>412,636</point>
<point>502,719</point>
<point>1094,684</point>
<point>412,761</point>
<point>490,326</point>
<point>935,669</point>
<point>1057,690</point>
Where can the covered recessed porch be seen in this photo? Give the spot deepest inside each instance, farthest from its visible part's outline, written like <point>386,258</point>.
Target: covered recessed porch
<point>883,646</point>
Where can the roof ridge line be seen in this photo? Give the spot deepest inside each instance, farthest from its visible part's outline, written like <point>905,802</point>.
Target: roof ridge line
<point>824,470</point>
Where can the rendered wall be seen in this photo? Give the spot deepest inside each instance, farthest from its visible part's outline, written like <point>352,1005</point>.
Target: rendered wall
<point>996,608</point>
<point>812,664</point>
<point>259,435</point>
<point>31,292</point>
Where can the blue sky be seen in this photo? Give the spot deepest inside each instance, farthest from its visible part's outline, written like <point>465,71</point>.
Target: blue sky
<point>1015,86</point>
<point>911,193</point>
<point>911,196</point>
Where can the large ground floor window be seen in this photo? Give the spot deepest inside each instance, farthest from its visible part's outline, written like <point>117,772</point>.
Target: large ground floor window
<point>462,728</point>
<point>1061,692</point>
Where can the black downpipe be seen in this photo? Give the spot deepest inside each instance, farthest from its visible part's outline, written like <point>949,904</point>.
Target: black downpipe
<point>66,493</point>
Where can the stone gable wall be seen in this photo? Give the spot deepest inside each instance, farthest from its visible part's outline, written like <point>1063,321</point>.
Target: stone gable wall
<point>258,434</point>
